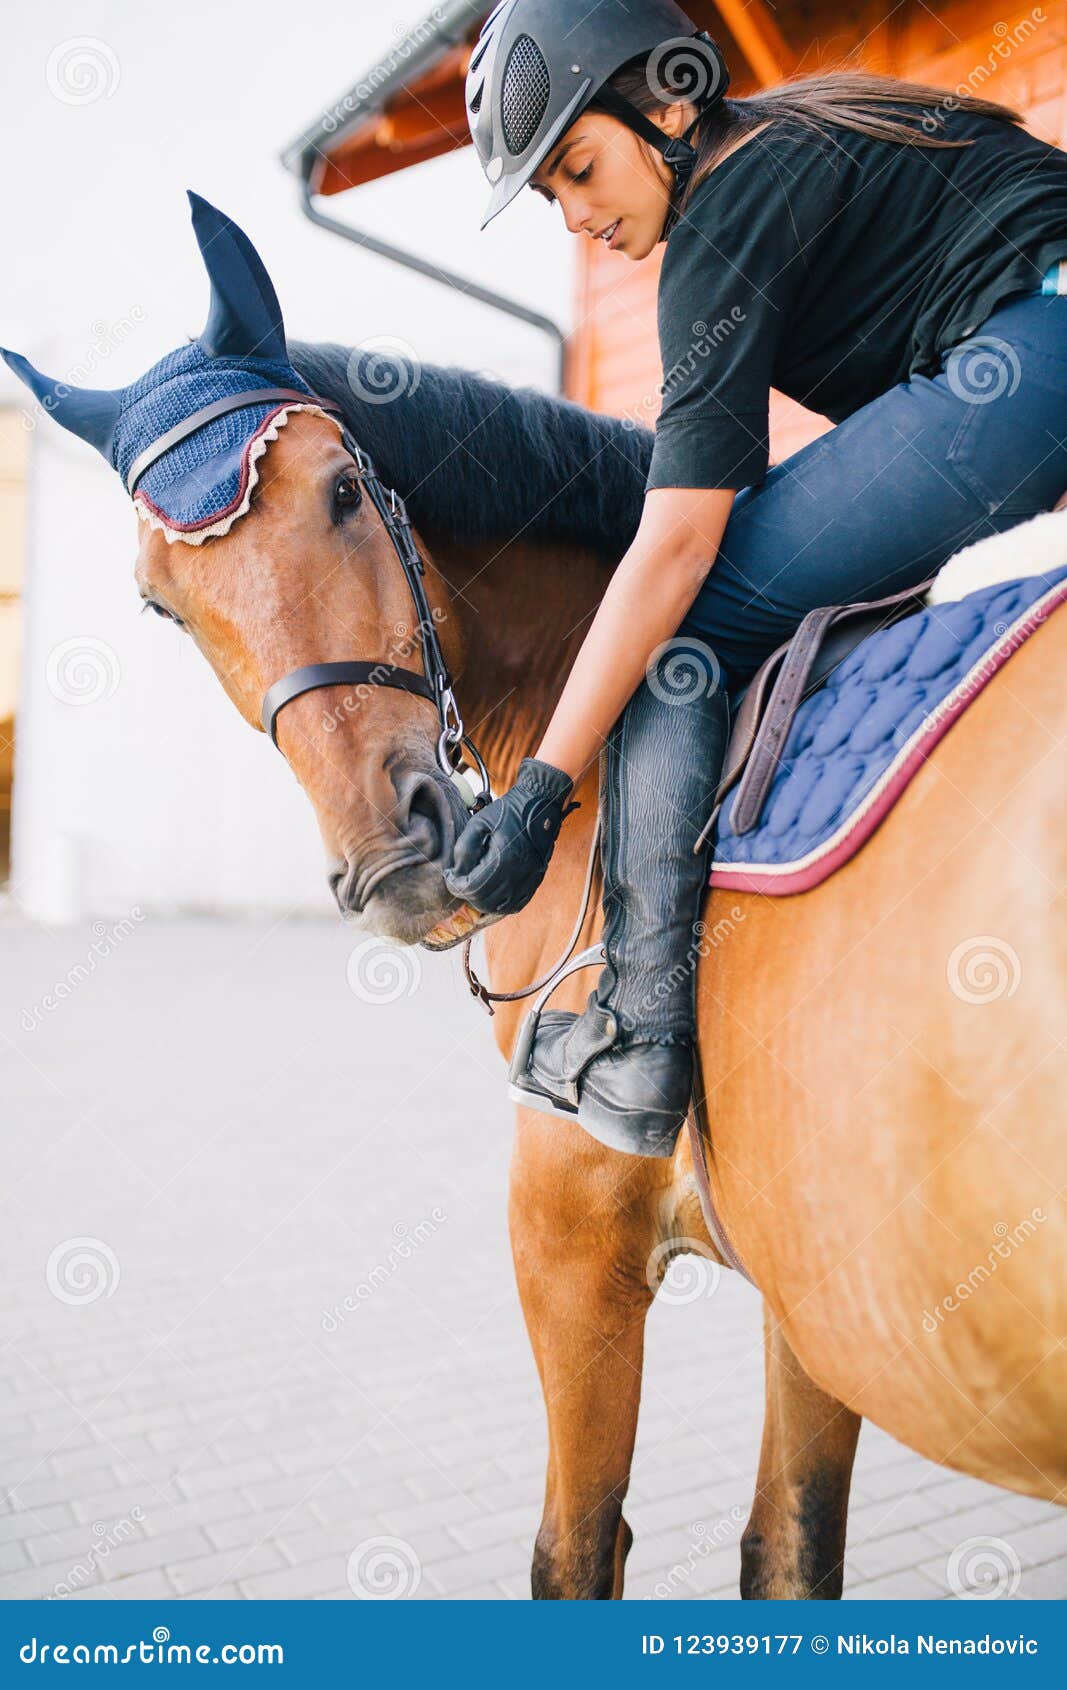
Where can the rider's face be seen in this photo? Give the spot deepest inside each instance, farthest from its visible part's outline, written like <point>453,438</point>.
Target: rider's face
<point>609,183</point>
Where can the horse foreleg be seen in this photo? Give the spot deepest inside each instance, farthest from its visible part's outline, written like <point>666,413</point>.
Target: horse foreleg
<point>578,1234</point>
<point>794,1544</point>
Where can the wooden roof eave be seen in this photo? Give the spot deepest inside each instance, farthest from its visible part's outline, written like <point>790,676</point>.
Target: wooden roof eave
<point>418,112</point>
<point>429,58</point>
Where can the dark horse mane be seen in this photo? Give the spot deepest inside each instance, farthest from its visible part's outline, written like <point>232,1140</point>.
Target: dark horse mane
<point>475,459</point>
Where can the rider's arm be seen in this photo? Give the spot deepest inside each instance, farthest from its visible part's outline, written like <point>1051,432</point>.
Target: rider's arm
<point>646,600</point>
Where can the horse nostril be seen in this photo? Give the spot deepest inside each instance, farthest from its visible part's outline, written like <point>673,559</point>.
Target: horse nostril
<point>426,821</point>
<point>434,816</point>
<point>335,879</point>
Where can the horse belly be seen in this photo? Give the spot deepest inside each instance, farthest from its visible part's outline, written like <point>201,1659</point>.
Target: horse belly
<point>886,1093</point>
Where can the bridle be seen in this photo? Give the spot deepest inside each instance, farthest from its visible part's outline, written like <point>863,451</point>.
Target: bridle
<point>436,683</point>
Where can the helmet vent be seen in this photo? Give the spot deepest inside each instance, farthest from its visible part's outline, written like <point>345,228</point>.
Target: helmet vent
<point>475,105</point>
<point>525,93</point>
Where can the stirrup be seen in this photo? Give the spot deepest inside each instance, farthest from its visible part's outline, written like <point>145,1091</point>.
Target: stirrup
<point>529,1096</point>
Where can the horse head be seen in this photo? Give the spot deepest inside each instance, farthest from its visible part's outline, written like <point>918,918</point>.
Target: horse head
<point>259,541</point>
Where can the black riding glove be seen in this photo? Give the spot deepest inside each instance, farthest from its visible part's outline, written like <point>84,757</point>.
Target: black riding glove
<point>501,856</point>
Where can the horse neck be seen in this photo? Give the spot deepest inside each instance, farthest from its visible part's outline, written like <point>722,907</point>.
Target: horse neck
<point>523,611</point>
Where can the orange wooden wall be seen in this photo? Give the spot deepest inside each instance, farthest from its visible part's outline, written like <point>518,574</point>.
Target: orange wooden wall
<point>1017,56</point>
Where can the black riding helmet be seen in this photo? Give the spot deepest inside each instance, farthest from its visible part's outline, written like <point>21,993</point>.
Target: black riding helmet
<point>538,63</point>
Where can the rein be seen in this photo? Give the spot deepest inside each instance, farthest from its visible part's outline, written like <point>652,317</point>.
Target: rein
<point>594,953</point>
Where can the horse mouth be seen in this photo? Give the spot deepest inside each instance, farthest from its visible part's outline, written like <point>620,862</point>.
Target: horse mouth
<point>452,929</point>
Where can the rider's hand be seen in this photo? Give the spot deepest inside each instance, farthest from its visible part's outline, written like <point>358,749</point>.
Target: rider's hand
<point>501,856</point>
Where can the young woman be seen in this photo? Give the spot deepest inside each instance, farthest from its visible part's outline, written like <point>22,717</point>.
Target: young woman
<point>887,254</point>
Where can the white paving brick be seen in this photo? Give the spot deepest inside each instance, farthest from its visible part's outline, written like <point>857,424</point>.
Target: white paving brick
<point>197,1577</point>
<point>325,1577</point>
<point>261,1449</point>
<point>13,1557</point>
<point>1047,1582</point>
<point>502,1561</point>
<point>148,1586</point>
<point>911,1585</point>
<point>30,1523</point>
<point>268,1523</point>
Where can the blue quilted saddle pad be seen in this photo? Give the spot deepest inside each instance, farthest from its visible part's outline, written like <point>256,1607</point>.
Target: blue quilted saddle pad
<point>857,742</point>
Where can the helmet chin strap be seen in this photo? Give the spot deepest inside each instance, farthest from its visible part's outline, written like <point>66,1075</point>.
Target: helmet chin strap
<point>677,151</point>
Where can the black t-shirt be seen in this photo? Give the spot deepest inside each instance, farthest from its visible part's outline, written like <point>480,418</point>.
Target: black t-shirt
<point>831,266</point>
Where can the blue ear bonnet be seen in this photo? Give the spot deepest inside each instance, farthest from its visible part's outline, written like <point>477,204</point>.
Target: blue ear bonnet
<point>206,480</point>
<point>201,485</point>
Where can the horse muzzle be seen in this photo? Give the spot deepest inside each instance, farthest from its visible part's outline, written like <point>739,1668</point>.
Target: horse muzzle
<point>395,887</point>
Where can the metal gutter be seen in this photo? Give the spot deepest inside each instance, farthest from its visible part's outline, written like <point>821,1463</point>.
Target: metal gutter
<point>452,21</point>
<point>436,273</point>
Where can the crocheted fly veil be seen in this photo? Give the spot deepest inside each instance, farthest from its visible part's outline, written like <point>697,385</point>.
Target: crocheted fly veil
<point>199,487</point>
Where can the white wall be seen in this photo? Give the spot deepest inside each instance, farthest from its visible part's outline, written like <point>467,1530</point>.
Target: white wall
<point>156,793</point>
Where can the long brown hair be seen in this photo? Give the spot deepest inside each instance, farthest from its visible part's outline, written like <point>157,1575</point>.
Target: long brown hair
<point>847,99</point>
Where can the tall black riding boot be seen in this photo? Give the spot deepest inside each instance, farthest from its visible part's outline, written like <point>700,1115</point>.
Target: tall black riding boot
<point>624,1067</point>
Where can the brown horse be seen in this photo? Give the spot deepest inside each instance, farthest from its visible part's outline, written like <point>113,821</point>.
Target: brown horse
<point>888,1152</point>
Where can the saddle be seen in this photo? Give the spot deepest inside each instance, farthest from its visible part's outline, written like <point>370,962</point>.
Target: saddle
<point>781,684</point>
<point>784,680</point>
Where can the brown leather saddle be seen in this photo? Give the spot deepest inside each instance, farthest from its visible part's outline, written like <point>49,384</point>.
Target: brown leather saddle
<point>781,684</point>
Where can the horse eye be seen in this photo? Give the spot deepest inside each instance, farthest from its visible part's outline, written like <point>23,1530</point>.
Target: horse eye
<point>347,492</point>
<point>167,615</point>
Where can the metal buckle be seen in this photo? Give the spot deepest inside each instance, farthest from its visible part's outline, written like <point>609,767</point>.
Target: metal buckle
<point>679,153</point>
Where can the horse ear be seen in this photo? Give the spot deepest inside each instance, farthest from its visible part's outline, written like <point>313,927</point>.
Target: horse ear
<point>89,412</point>
<point>245,319</point>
